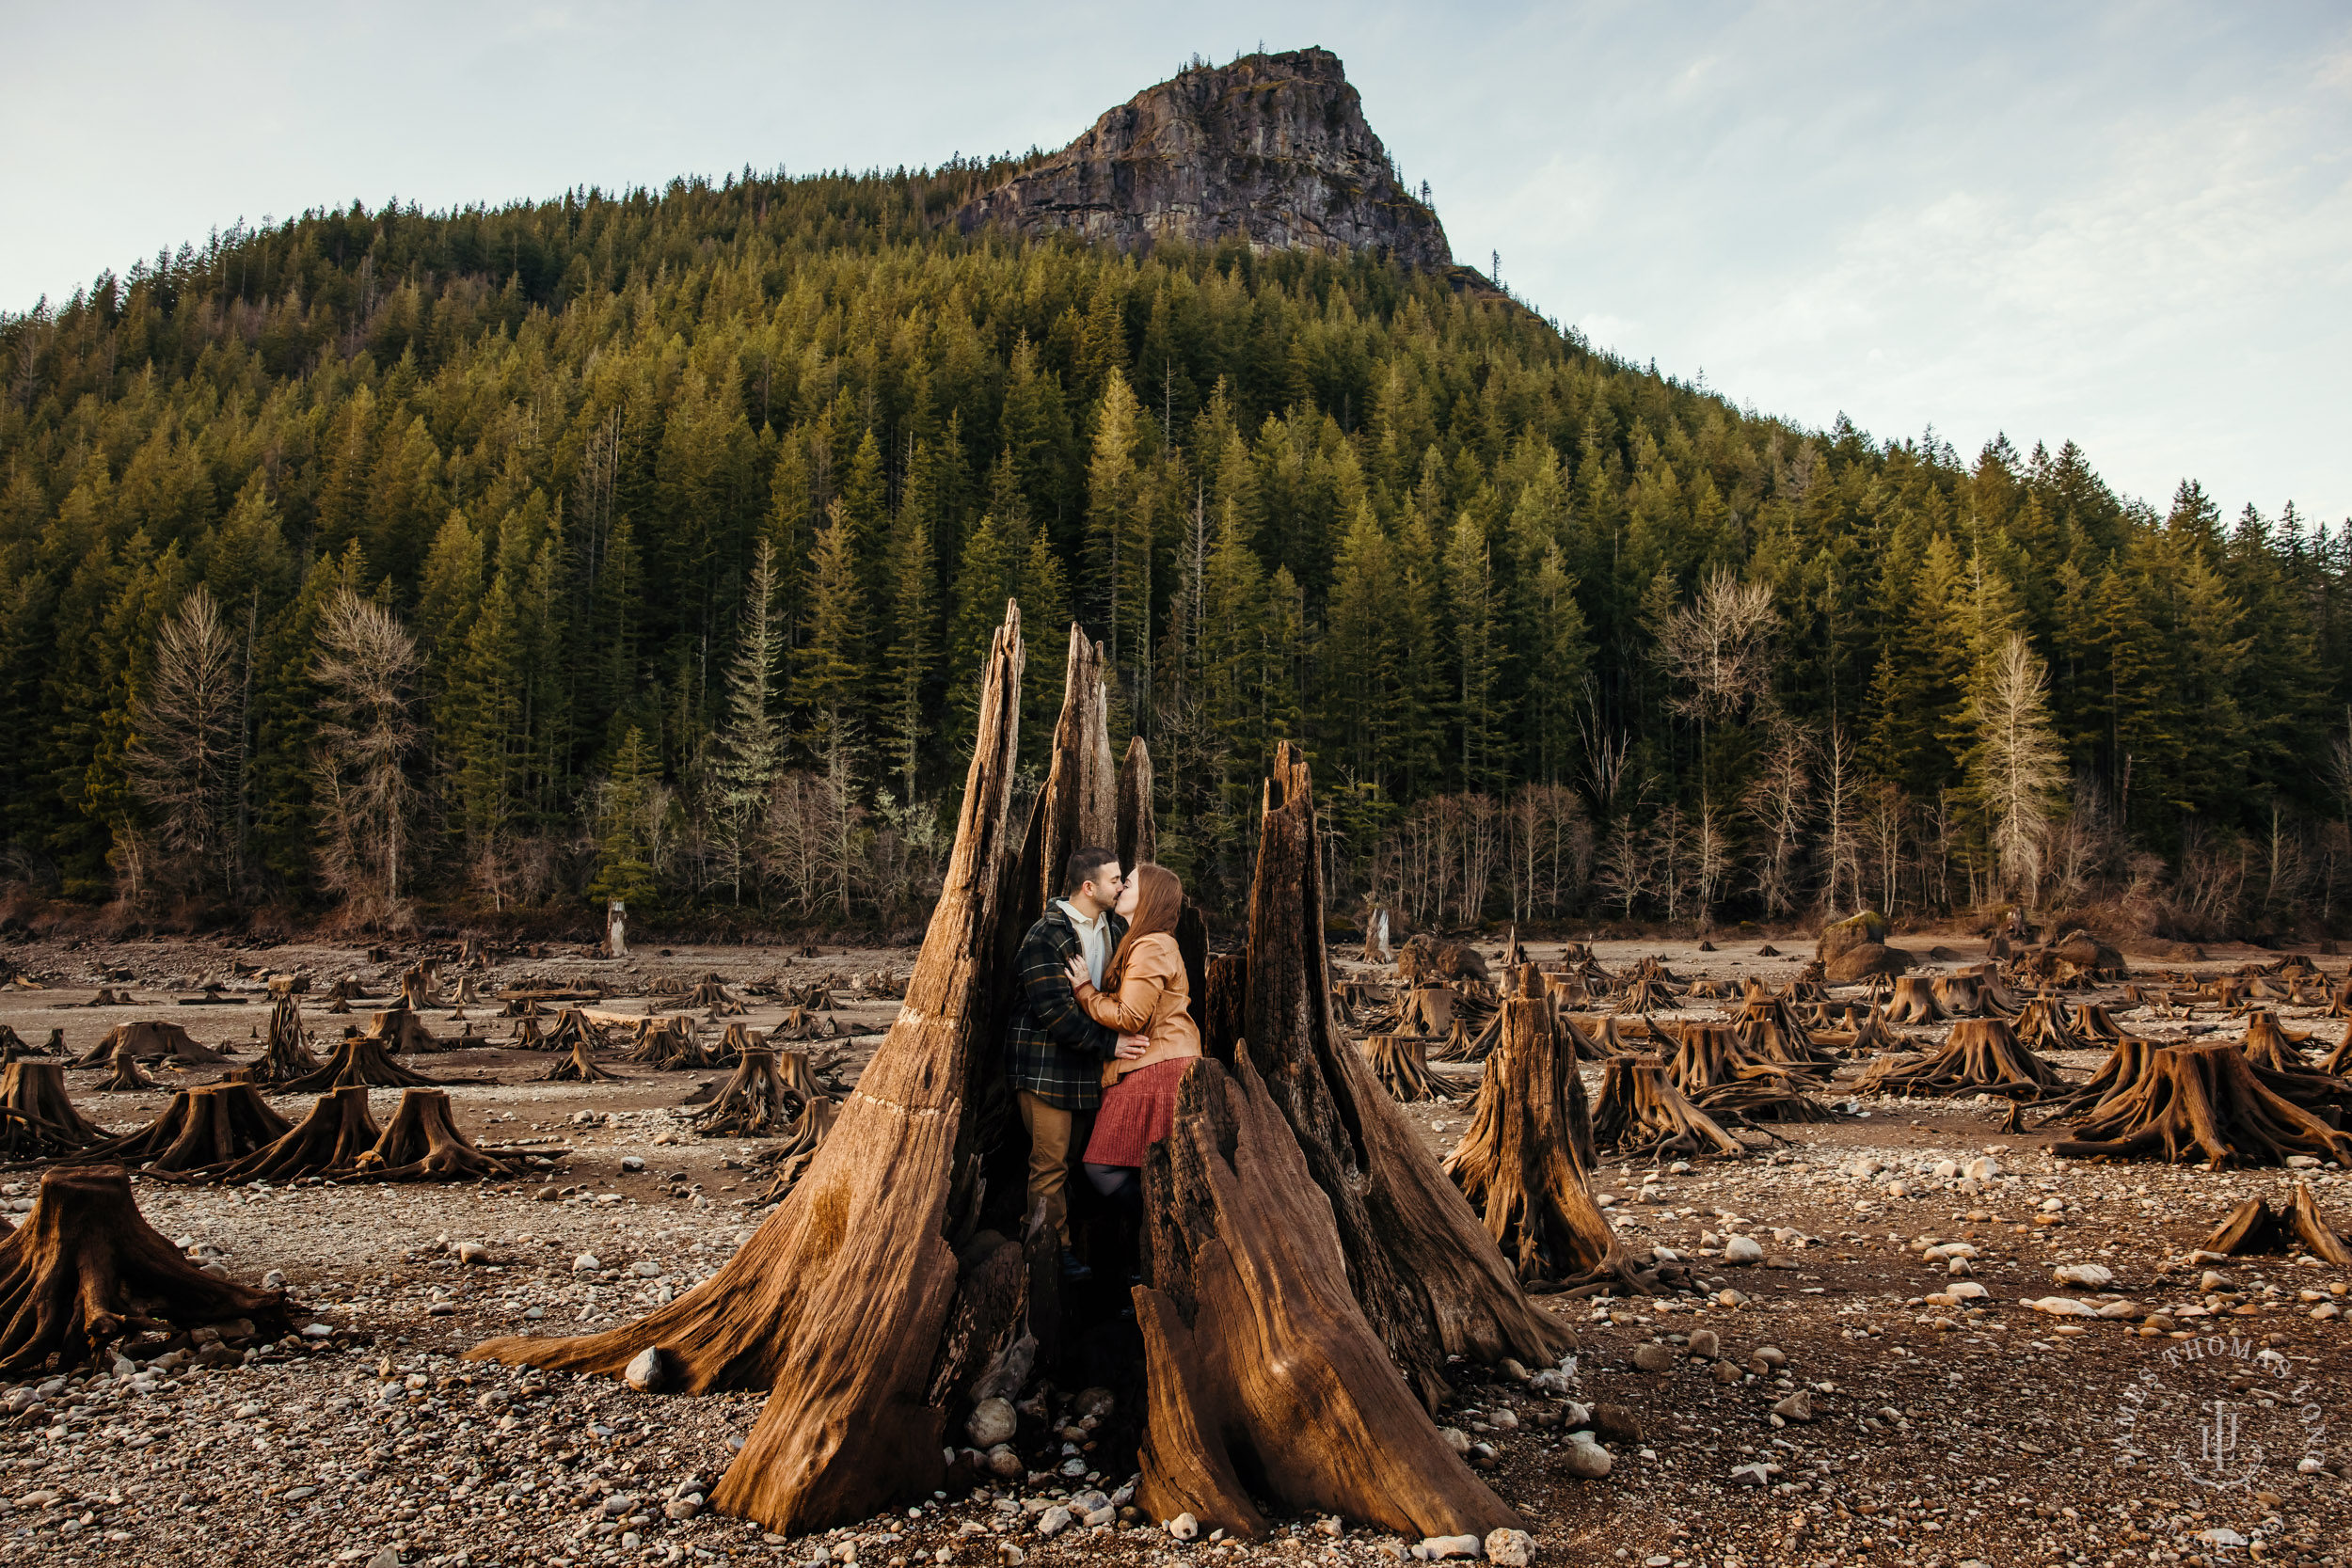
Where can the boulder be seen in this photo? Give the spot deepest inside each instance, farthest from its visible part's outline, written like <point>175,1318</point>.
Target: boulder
<point>2085,951</point>
<point>1858,963</point>
<point>1866,929</point>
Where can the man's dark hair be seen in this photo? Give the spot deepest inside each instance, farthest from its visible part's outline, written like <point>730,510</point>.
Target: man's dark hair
<point>1084,861</point>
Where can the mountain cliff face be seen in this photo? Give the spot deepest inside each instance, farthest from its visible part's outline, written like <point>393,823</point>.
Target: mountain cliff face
<point>1272,148</point>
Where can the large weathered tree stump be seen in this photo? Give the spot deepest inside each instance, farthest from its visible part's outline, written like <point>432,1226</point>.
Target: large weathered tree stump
<point>84,1272</point>
<point>1265,1380</point>
<point>152,1040</point>
<point>751,1104</point>
<point>123,1074</point>
<point>1400,1063</point>
<point>1641,1113</point>
<point>2042,1026</point>
<point>2207,1102</point>
<point>1526,1159</point>
<point>579,1067</point>
<point>670,1044</point>
<point>403,1033</point>
<point>360,1061</point>
<point>38,1117</point>
<point>421,1143</point>
<point>1914,1002</point>
<point>286,1053</point>
<point>203,1126</point>
<point>1981,1055</point>
<point>2269,1045</point>
<point>2255,1229</point>
<point>327,1142</point>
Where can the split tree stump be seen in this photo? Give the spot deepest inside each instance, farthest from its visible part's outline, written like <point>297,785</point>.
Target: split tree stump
<point>86,1272</point>
<point>1641,1113</point>
<point>1263,1378</point>
<point>2256,1228</point>
<point>286,1053</point>
<point>843,1301</point>
<point>1430,1279</point>
<point>1526,1159</point>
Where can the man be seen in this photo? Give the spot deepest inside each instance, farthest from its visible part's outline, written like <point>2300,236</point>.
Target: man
<point>1056,1052</point>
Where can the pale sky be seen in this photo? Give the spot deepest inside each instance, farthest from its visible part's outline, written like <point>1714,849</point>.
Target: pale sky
<point>2129,224</point>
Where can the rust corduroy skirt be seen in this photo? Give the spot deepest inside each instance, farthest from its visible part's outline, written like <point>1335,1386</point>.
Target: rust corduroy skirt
<point>1136,1113</point>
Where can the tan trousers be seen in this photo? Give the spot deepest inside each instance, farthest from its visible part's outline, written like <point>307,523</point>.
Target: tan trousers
<point>1055,1137</point>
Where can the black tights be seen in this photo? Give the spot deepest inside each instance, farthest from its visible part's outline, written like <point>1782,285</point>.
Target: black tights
<point>1116,1181</point>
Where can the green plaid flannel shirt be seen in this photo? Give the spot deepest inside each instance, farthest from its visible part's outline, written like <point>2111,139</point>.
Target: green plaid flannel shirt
<point>1053,1049</point>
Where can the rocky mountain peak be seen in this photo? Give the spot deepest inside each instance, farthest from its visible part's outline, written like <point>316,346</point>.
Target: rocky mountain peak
<point>1273,149</point>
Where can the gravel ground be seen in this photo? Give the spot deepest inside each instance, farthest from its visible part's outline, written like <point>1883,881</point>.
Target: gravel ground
<point>1931,1431</point>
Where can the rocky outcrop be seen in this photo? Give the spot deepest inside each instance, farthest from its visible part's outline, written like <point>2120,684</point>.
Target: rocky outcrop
<point>1272,149</point>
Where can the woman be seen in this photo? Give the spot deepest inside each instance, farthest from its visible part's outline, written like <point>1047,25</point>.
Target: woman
<point>1144,992</point>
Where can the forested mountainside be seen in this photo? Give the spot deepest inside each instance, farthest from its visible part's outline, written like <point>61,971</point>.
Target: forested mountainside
<point>381,563</point>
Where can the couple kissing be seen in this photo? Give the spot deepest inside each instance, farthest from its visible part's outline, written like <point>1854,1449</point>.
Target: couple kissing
<point>1101,1033</point>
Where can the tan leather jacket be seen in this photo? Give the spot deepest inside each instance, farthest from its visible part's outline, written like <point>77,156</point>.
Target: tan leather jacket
<point>1154,1000</point>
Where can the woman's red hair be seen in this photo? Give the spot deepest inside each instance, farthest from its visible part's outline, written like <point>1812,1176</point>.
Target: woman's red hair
<point>1159,898</point>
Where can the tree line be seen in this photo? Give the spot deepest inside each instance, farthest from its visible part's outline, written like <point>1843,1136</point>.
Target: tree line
<point>645,545</point>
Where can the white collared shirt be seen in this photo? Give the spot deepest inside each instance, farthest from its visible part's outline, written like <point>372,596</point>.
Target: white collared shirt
<point>1094,938</point>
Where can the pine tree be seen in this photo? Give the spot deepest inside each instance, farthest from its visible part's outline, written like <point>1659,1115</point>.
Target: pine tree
<point>749,753</point>
<point>1474,621</point>
<point>829,676</point>
<point>1115,508</point>
<point>914,637</point>
<point>626,814</point>
<point>184,759</point>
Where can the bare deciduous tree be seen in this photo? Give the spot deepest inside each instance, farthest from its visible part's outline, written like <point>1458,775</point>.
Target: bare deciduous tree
<point>2015,770</point>
<point>1717,645</point>
<point>1781,802</point>
<point>184,758</point>
<point>1841,814</point>
<point>366,664</point>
